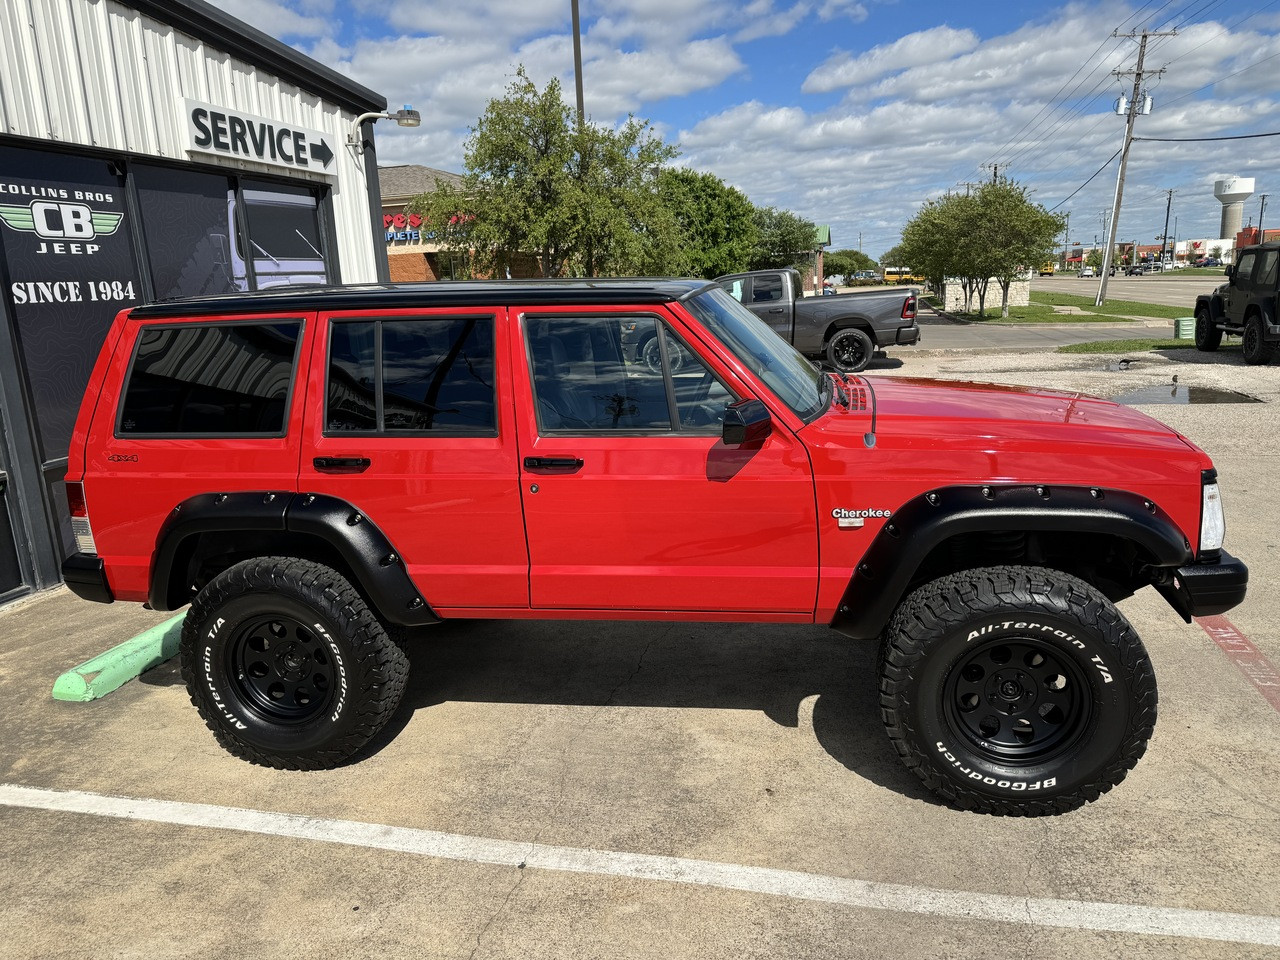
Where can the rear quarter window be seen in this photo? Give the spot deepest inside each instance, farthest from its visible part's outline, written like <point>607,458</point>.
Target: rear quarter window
<point>203,380</point>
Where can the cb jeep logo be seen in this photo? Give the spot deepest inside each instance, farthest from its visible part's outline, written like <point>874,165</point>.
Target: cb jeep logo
<point>61,221</point>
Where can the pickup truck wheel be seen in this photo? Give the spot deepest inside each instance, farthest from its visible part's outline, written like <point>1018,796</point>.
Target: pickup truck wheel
<point>651,356</point>
<point>1208,337</point>
<point>1016,691</point>
<point>287,666</point>
<point>849,350</point>
<point>1254,346</point>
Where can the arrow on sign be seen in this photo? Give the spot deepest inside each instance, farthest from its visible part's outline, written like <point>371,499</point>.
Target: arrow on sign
<point>321,152</point>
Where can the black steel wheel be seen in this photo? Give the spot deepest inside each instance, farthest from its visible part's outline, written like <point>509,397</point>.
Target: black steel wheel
<point>1208,337</point>
<point>1017,699</point>
<point>1015,690</point>
<point>281,669</point>
<point>849,350</point>
<point>288,666</point>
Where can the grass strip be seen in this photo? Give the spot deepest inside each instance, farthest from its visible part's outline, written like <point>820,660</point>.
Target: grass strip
<point>1135,345</point>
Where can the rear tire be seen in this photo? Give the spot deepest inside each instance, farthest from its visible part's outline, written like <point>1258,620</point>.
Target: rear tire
<point>849,350</point>
<point>1016,691</point>
<point>1254,345</point>
<point>287,666</point>
<point>1208,337</point>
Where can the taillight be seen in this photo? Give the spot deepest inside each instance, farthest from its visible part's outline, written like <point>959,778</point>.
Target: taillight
<point>909,308</point>
<point>80,526</point>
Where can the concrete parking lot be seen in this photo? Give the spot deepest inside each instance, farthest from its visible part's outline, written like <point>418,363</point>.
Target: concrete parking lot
<point>668,790</point>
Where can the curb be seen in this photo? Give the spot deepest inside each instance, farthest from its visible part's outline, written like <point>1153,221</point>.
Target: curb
<point>110,670</point>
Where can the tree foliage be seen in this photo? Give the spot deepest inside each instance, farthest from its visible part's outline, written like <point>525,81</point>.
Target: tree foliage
<point>713,220</point>
<point>537,180</point>
<point>783,239</point>
<point>846,262</point>
<point>993,233</point>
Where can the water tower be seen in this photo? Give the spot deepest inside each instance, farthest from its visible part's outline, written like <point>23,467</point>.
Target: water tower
<point>1232,193</point>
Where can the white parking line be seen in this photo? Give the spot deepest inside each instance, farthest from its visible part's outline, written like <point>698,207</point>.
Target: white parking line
<point>1070,914</point>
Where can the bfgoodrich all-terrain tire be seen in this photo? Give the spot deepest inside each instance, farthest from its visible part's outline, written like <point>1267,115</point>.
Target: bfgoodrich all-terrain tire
<point>1016,690</point>
<point>287,665</point>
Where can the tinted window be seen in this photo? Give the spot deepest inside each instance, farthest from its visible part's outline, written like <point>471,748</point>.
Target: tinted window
<point>699,394</point>
<point>766,289</point>
<point>189,222</point>
<point>284,235</point>
<point>412,376</point>
<point>353,403</point>
<point>1244,270</point>
<point>227,379</point>
<point>1267,272</point>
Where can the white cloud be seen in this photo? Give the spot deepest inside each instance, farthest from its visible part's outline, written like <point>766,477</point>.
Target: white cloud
<point>275,18</point>
<point>923,47</point>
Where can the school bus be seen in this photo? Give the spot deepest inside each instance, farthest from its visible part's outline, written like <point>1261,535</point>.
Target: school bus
<point>901,275</point>
<point>1047,268</point>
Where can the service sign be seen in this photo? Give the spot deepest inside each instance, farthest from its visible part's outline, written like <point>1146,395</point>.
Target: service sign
<point>234,135</point>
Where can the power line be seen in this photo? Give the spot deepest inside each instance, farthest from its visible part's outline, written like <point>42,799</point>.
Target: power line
<point>1086,183</point>
<point>1243,136</point>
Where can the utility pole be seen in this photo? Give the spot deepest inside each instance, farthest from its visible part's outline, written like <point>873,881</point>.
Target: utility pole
<point>994,168</point>
<point>1137,104</point>
<point>1261,210</point>
<point>1164,237</point>
<point>577,59</point>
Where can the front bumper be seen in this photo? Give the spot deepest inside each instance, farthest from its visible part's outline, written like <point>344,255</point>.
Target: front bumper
<point>1207,588</point>
<point>87,577</point>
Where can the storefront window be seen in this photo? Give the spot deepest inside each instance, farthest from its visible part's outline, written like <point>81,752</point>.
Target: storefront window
<point>284,234</point>
<point>188,219</point>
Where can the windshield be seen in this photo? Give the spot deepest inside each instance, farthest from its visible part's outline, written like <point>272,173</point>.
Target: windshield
<point>788,374</point>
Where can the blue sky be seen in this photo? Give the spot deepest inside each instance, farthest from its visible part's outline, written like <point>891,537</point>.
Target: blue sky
<point>848,112</point>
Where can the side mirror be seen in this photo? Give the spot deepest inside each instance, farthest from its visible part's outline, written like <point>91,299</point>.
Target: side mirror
<point>746,422</point>
<point>1227,272</point>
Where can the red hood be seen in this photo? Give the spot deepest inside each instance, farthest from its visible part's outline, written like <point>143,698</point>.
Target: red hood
<point>1019,433</point>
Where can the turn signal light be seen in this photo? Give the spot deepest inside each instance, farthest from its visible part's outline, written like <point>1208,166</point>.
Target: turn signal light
<point>80,526</point>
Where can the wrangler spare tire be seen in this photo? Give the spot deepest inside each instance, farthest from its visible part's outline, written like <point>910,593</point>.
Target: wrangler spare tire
<point>1015,690</point>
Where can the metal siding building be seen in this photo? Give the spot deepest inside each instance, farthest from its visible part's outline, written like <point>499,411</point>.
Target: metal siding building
<point>151,148</point>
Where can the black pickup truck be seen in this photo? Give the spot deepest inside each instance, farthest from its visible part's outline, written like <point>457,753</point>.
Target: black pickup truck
<point>1244,306</point>
<point>845,329</point>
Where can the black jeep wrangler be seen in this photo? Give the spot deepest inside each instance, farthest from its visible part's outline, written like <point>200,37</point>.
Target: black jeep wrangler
<point>1245,305</point>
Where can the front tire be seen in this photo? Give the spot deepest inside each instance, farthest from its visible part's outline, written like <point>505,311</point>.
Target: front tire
<point>287,666</point>
<point>849,350</point>
<point>1016,691</point>
<point>1208,337</point>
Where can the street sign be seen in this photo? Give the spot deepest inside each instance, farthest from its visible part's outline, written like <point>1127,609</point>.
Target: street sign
<point>245,136</point>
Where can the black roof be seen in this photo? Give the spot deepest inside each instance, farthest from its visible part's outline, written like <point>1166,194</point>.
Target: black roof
<point>465,293</point>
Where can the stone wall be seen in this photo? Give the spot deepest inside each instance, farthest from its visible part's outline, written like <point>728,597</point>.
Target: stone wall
<point>953,295</point>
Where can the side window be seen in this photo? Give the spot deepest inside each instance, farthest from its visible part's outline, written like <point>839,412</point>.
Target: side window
<point>616,374</point>
<point>767,289</point>
<point>1267,272</point>
<point>736,289</point>
<point>230,379</point>
<point>1244,271</point>
<point>415,377</point>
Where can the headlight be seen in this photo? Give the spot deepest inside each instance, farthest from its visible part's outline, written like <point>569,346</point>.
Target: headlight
<point>1213,525</point>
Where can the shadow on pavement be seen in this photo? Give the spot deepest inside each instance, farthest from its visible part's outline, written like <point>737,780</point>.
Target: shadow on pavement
<point>770,669</point>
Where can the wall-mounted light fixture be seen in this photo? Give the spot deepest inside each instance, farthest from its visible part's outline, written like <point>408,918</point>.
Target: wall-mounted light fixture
<point>405,117</point>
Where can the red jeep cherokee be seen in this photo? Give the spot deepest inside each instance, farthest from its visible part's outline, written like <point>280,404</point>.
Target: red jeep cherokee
<point>314,470</point>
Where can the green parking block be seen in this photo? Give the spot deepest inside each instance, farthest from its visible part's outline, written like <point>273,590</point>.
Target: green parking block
<point>108,671</point>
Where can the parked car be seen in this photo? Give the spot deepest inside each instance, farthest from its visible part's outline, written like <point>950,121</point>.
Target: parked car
<point>1245,305</point>
<point>1086,272</point>
<point>845,329</point>
<point>318,471</point>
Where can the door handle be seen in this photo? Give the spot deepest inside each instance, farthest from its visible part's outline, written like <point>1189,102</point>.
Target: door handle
<point>775,310</point>
<point>552,463</point>
<point>341,463</point>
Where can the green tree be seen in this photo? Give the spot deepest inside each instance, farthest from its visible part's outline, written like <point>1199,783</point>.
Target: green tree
<point>536,180</point>
<point>846,262</point>
<point>783,239</point>
<point>714,223</point>
<point>1016,234</point>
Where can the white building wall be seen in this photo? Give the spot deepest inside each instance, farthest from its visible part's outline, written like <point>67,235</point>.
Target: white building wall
<point>100,74</point>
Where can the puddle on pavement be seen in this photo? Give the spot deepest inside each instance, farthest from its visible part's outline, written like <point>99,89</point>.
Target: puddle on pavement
<point>1181,393</point>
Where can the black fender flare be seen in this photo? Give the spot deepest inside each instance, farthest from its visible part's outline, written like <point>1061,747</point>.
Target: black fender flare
<point>1212,303</point>
<point>890,563</point>
<point>365,549</point>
